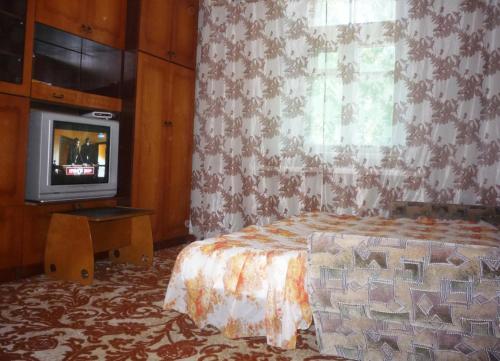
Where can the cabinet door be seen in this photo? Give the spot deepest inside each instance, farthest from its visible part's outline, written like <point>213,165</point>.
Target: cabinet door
<point>149,137</point>
<point>155,27</point>
<point>176,205</point>
<point>11,230</point>
<point>14,113</point>
<point>184,33</point>
<point>107,19</point>
<point>17,19</point>
<point>70,16</point>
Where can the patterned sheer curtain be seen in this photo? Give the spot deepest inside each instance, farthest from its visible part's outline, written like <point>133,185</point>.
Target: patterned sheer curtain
<point>343,106</point>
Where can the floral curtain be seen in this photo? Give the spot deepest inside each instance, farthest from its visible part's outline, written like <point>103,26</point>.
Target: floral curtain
<point>343,106</point>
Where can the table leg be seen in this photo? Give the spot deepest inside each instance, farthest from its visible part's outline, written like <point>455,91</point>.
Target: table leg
<point>140,250</point>
<point>69,253</point>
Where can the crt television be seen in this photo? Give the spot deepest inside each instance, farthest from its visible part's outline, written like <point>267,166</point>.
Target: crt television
<point>71,157</point>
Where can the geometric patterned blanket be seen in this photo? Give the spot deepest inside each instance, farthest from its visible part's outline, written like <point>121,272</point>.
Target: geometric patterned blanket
<point>401,298</point>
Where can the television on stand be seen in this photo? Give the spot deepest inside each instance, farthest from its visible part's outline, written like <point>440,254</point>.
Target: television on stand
<point>71,157</point>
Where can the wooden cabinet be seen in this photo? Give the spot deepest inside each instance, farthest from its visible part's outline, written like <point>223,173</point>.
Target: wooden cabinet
<point>168,29</point>
<point>163,143</point>
<point>11,230</point>
<point>184,33</point>
<point>14,113</point>
<point>179,151</point>
<point>107,19</point>
<point>62,14</point>
<point>100,20</point>
<point>16,45</point>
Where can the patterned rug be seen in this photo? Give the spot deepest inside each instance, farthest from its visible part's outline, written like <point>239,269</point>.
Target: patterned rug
<point>119,317</point>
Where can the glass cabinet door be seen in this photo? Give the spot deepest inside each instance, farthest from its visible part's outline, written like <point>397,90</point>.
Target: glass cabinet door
<point>101,69</point>
<point>12,34</point>
<point>69,61</point>
<point>57,57</point>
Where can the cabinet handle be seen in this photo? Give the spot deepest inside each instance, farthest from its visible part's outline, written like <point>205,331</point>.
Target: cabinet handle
<point>85,28</point>
<point>171,53</point>
<point>58,96</point>
<point>168,123</point>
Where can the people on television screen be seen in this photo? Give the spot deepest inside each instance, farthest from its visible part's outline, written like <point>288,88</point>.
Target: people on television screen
<point>74,156</point>
<point>87,152</point>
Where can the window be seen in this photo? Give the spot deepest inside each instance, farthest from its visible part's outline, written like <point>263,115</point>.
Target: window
<point>351,89</point>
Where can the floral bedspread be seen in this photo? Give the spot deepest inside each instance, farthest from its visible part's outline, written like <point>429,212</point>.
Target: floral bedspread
<point>252,282</point>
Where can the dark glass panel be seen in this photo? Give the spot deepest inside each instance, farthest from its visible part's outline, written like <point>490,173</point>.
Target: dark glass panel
<point>11,35</point>
<point>16,8</point>
<point>57,66</point>
<point>11,68</point>
<point>57,57</point>
<point>58,38</point>
<point>68,61</point>
<point>101,69</point>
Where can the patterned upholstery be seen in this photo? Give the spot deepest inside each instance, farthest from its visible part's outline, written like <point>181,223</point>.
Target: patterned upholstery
<point>376,298</point>
<point>446,211</point>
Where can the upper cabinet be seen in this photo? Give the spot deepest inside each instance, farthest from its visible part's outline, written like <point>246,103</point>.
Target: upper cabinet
<point>107,19</point>
<point>16,42</point>
<point>100,20</point>
<point>168,29</point>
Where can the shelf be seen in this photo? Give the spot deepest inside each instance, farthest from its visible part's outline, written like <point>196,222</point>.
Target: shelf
<point>54,94</point>
<point>13,16</point>
<point>11,54</point>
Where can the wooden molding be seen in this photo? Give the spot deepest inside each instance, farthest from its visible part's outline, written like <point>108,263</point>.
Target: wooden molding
<point>54,94</point>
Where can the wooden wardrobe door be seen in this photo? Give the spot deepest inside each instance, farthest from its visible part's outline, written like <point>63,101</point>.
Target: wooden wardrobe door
<point>184,33</point>
<point>68,15</point>
<point>179,143</point>
<point>149,150</point>
<point>14,114</point>
<point>107,19</point>
<point>11,232</point>
<point>155,27</point>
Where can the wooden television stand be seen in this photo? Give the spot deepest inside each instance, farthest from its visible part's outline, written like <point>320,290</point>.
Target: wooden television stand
<point>75,236</point>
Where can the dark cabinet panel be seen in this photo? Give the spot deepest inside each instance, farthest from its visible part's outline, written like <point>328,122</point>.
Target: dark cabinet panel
<point>16,31</point>
<point>15,8</point>
<point>11,35</point>
<point>101,69</point>
<point>68,61</point>
<point>56,65</point>
<point>11,68</point>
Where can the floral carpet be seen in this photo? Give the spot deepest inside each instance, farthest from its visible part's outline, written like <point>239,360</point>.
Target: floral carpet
<point>119,317</point>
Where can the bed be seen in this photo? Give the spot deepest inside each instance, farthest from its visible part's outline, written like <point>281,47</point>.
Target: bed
<point>252,282</point>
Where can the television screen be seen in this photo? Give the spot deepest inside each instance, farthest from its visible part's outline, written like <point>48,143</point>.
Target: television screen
<point>80,153</point>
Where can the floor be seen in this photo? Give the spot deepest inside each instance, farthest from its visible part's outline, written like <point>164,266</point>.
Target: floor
<point>119,317</point>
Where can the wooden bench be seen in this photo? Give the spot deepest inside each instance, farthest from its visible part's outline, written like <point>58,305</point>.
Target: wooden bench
<point>75,236</point>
